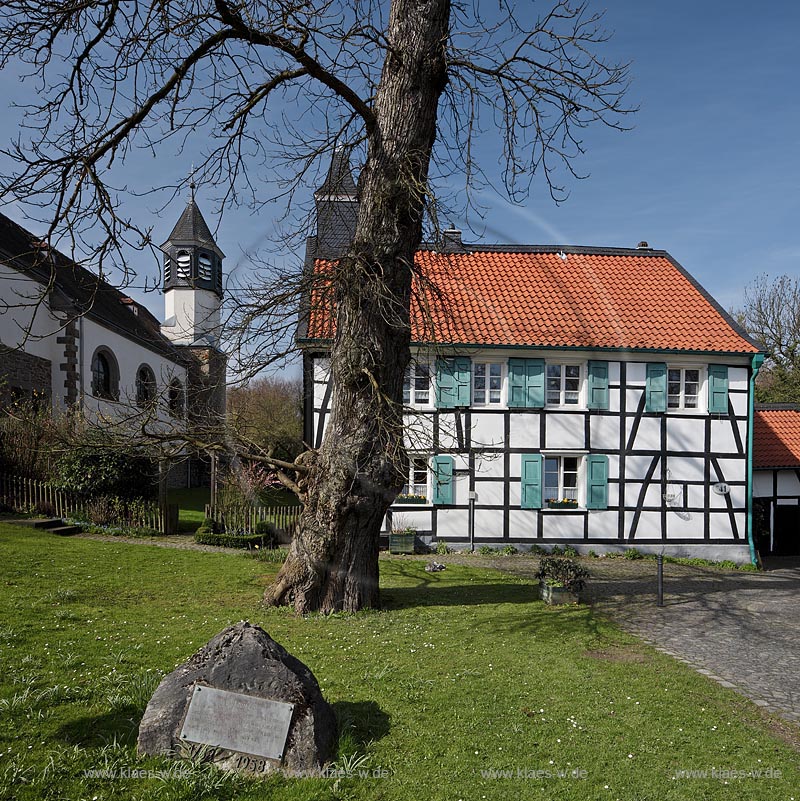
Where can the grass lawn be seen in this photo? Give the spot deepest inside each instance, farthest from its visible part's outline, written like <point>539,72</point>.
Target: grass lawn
<point>461,675</point>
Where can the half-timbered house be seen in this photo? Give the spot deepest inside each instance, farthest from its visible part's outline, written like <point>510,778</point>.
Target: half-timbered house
<point>596,397</point>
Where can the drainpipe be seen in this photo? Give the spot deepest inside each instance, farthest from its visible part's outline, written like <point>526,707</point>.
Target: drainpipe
<point>757,361</point>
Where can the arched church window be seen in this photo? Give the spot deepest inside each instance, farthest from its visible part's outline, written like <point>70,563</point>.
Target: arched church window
<point>184,265</point>
<point>204,264</point>
<point>175,398</point>
<point>105,375</point>
<point>145,387</point>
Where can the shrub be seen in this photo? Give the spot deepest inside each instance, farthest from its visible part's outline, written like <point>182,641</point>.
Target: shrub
<point>556,550</point>
<point>106,472</point>
<point>101,512</point>
<point>570,551</point>
<point>486,550</point>
<point>230,540</point>
<point>591,554</point>
<point>45,509</point>
<point>268,531</point>
<point>509,550</point>
<point>632,553</point>
<point>209,526</point>
<point>442,548</point>
<point>537,549</point>
<point>562,572</point>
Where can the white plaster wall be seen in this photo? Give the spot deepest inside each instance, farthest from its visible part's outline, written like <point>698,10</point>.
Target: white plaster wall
<point>649,526</point>
<point>685,434</point>
<point>739,404</point>
<point>522,524</point>
<point>604,431</point>
<point>762,483</point>
<point>487,430</point>
<point>564,432</point>
<point>129,356</point>
<point>195,312</point>
<point>648,435</point>
<point>636,373</point>
<point>722,437</point>
<point>489,466</point>
<point>452,523</point>
<point>562,525</point>
<point>489,492</point>
<point>685,468</point>
<point>488,524</point>
<point>420,519</point>
<point>686,526</point>
<point>787,483</point>
<point>603,524</point>
<point>418,433</point>
<point>720,526</point>
<point>738,379</point>
<point>524,431</point>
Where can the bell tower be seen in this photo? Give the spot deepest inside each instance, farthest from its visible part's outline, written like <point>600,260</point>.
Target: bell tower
<point>192,281</point>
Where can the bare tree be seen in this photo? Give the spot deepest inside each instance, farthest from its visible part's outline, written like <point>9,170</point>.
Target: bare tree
<point>771,315</point>
<point>407,85</point>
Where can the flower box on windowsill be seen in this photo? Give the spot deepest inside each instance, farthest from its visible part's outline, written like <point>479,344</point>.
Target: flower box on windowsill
<point>565,504</point>
<point>410,499</point>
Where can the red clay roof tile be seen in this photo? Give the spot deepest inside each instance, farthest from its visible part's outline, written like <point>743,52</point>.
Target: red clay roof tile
<point>776,438</point>
<point>588,299</point>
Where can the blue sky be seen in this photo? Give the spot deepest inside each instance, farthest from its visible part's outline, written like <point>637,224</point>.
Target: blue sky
<point>710,171</point>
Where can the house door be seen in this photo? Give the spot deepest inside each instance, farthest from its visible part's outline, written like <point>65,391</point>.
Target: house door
<point>786,531</point>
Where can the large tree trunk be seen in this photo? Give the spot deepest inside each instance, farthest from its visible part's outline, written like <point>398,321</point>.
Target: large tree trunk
<point>361,466</point>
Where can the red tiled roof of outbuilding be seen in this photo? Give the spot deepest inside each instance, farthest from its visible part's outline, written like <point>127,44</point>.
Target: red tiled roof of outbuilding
<point>776,437</point>
<point>568,297</point>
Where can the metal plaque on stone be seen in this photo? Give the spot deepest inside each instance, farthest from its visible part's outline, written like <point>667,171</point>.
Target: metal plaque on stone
<point>237,722</point>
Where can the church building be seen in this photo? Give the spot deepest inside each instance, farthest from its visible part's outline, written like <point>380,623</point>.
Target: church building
<point>69,339</point>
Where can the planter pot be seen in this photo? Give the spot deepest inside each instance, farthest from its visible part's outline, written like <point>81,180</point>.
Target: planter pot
<point>401,543</point>
<point>401,501</point>
<point>554,596</point>
<point>562,504</point>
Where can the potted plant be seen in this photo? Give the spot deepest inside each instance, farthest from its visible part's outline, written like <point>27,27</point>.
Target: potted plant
<point>402,536</point>
<point>562,503</point>
<point>560,580</point>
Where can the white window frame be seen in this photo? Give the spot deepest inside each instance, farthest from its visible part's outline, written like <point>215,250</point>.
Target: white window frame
<point>409,381</point>
<point>702,380</point>
<point>580,476</point>
<point>415,460</point>
<point>503,365</point>
<point>564,363</point>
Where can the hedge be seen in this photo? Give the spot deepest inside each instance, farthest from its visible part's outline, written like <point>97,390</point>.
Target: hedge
<point>233,540</point>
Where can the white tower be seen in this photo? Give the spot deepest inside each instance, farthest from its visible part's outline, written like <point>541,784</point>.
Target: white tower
<point>192,281</point>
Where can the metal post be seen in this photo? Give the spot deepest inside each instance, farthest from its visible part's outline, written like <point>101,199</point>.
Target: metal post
<point>472,522</point>
<point>660,564</point>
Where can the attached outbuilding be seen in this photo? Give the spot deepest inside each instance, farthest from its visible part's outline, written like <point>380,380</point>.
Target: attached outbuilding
<point>776,479</point>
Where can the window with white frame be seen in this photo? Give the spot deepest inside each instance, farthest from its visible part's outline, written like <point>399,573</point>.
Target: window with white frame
<point>683,387</point>
<point>561,478</point>
<point>417,384</point>
<point>487,383</point>
<point>417,477</point>
<point>563,384</point>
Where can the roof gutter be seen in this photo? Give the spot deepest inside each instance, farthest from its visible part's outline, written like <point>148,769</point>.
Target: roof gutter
<point>757,361</point>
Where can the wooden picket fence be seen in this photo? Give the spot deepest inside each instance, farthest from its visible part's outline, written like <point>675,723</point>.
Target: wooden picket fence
<point>29,495</point>
<point>243,519</point>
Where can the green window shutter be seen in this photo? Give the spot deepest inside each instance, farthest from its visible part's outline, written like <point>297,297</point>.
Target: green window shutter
<point>598,385</point>
<point>453,382</point>
<point>717,389</point>
<point>526,383</point>
<point>442,479</point>
<point>596,481</point>
<point>531,480</point>
<point>656,390</point>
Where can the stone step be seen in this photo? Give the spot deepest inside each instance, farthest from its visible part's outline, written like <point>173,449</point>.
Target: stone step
<point>35,522</point>
<point>65,531</point>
